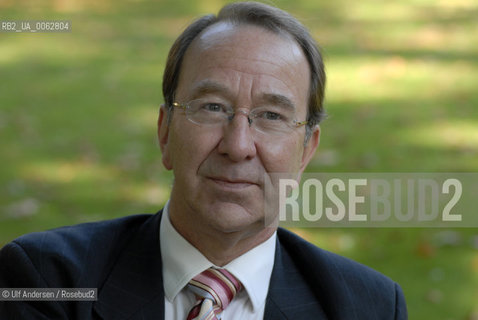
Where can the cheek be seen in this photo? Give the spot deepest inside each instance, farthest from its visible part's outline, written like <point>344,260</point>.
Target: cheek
<point>190,146</point>
<point>285,156</point>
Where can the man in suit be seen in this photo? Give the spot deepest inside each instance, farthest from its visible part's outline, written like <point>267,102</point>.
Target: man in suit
<point>243,98</point>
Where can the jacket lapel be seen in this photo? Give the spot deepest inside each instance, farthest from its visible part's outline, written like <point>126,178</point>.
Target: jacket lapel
<point>290,295</point>
<point>134,288</point>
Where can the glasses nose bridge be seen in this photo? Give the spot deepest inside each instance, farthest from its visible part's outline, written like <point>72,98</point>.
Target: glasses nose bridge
<point>243,112</point>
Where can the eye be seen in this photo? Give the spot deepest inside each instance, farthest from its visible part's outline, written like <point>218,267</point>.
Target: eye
<point>213,107</point>
<point>270,115</point>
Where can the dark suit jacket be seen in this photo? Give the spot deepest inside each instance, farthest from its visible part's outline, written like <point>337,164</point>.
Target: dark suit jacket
<point>121,258</point>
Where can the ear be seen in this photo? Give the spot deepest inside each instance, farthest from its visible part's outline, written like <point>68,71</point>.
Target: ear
<point>309,149</point>
<point>163,137</point>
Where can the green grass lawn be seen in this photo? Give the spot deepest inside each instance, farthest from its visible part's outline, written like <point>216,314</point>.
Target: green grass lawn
<point>78,121</point>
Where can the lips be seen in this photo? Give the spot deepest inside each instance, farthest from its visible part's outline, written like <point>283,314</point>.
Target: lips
<point>233,183</point>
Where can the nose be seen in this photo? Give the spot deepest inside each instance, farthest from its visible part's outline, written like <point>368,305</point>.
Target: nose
<point>245,113</point>
<point>238,141</point>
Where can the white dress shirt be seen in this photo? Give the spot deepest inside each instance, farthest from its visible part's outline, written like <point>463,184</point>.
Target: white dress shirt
<point>181,262</point>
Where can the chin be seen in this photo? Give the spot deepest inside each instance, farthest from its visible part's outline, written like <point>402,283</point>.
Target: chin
<point>231,217</point>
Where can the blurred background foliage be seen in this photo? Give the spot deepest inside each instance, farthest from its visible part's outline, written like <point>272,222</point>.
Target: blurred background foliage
<point>78,116</point>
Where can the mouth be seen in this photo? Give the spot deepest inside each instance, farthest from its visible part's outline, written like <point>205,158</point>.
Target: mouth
<point>232,183</point>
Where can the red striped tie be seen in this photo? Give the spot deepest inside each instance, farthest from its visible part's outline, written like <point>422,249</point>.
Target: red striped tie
<point>214,289</point>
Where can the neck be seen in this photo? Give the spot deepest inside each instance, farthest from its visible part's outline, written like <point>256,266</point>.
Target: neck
<point>218,246</point>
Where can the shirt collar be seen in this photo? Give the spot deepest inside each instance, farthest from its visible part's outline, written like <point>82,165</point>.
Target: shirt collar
<point>253,269</point>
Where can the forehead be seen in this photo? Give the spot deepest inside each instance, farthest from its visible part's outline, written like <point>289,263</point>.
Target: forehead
<point>239,56</point>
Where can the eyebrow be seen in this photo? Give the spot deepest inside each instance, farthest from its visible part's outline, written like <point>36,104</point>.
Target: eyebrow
<point>208,86</point>
<point>211,87</point>
<point>278,100</point>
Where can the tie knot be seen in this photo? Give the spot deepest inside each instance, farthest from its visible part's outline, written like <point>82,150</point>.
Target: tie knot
<point>218,285</point>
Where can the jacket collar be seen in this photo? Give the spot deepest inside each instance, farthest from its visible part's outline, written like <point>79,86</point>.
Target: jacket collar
<point>134,288</point>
